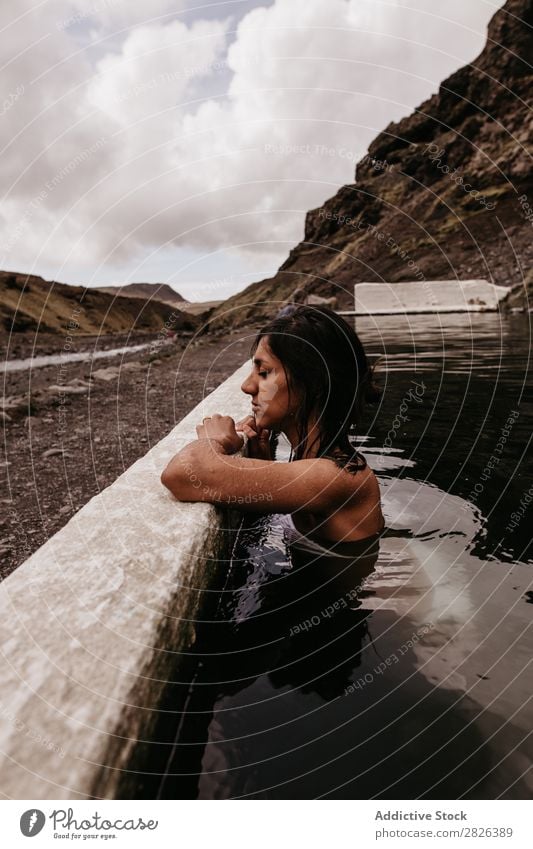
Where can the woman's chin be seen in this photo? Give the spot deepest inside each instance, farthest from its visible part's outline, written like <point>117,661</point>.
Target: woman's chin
<point>264,421</point>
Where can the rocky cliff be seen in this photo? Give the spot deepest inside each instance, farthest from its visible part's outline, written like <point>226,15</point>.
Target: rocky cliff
<point>446,192</point>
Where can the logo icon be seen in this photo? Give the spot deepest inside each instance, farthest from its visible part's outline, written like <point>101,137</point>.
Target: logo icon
<point>31,822</point>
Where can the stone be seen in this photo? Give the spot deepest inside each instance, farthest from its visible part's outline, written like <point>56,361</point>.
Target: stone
<point>68,390</point>
<point>52,452</point>
<point>113,372</point>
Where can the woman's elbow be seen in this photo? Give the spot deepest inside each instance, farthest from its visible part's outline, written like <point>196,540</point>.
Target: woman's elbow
<point>174,481</point>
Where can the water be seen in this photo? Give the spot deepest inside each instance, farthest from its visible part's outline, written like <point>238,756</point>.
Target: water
<point>57,359</point>
<point>405,677</point>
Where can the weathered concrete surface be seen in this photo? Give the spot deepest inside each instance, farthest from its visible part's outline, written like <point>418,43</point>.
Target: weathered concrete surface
<point>427,297</point>
<point>91,623</point>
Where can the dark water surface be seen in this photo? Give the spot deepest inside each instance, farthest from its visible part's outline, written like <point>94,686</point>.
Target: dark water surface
<point>404,673</point>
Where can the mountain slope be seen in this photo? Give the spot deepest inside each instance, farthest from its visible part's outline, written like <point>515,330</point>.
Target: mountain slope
<point>29,303</point>
<point>446,192</point>
<point>157,291</point>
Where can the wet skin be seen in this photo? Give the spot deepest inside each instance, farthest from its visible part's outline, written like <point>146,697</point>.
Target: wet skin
<point>325,501</point>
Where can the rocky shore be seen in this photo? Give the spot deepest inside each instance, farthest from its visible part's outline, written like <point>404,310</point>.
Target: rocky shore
<point>70,430</point>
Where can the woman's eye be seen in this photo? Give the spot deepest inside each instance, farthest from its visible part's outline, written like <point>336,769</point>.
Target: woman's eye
<point>263,374</point>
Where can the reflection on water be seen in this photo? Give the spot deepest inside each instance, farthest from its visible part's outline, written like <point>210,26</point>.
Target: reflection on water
<point>402,671</point>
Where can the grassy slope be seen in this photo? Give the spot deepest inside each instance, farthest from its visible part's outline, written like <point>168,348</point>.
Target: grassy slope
<point>28,303</point>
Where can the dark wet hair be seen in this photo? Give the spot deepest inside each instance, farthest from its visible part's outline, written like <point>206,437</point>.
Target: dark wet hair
<point>325,362</point>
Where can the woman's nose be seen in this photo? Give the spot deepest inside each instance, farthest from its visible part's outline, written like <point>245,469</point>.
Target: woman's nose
<point>248,387</point>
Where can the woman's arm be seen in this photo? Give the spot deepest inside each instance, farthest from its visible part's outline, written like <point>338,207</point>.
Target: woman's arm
<point>206,470</point>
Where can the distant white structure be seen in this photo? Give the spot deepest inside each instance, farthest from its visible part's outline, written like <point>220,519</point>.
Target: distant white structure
<point>300,296</point>
<point>319,301</point>
<point>426,297</point>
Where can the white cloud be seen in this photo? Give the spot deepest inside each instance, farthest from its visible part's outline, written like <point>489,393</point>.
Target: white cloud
<point>105,17</point>
<point>187,134</point>
<point>157,65</point>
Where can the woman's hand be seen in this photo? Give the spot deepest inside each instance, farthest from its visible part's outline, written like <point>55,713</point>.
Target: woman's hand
<point>222,429</point>
<point>258,439</point>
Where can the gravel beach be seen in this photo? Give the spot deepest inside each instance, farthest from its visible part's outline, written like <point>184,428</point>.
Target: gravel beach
<point>70,430</point>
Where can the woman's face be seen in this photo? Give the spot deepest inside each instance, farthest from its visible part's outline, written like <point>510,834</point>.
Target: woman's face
<point>268,388</point>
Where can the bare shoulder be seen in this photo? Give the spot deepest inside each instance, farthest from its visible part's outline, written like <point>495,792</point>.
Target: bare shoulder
<point>359,513</point>
<point>339,487</point>
<point>322,471</point>
<point>365,482</point>
<point>359,482</point>
<point>367,491</point>
<point>351,509</point>
<point>359,486</point>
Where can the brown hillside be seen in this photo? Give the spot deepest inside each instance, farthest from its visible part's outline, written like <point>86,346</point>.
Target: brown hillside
<point>446,192</point>
<point>29,303</point>
<point>157,291</point>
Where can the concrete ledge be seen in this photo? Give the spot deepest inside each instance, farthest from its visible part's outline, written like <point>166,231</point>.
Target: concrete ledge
<point>90,624</point>
<point>427,296</point>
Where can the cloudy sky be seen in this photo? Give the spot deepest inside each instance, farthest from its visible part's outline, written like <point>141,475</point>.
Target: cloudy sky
<point>183,142</point>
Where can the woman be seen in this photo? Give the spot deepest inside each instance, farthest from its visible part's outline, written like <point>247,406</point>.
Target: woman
<point>309,378</point>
